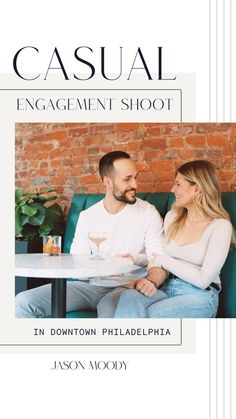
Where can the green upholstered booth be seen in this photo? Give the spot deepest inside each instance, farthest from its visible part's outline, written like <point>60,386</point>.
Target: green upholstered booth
<point>163,202</point>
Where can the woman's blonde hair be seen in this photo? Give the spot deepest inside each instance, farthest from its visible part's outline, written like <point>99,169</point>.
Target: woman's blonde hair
<point>208,201</point>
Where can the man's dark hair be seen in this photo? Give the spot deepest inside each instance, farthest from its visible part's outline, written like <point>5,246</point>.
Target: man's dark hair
<point>106,162</point>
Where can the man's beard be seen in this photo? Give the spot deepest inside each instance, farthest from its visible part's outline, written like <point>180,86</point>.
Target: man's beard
<point>122,197</point>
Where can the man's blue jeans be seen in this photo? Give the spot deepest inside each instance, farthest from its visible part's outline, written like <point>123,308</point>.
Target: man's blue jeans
<point>36,302</point>
<point>176,299</point>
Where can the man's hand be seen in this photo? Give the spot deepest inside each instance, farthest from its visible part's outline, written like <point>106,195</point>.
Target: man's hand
<point>157,275</point>
<point>126,256</point>
<point>144,286</point>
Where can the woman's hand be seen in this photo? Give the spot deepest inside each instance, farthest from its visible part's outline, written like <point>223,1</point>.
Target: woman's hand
<point>144,286</point>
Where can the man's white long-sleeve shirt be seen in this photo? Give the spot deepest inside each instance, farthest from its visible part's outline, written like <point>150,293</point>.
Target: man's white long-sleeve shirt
<point>136,229</point>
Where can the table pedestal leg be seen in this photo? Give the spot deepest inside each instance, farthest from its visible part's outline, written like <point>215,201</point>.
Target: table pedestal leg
<point>58,298</point>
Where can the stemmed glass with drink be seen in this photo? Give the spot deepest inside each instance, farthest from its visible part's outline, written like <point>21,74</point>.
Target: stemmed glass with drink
<point>97,238</point>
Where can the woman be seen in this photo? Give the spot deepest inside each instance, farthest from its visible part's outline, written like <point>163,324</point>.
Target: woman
<point>198,234</point>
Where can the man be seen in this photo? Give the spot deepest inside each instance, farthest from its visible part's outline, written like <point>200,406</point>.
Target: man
<point>134,230</point>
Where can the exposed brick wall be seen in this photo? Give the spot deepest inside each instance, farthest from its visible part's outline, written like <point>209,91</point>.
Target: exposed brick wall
<point>65,156</point>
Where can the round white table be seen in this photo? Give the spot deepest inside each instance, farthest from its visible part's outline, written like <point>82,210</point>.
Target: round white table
<point>60,268</point>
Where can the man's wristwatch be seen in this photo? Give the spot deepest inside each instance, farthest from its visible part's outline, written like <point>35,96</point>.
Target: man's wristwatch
<point>154,283</point>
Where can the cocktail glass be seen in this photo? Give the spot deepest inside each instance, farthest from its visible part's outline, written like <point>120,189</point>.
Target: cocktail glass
<point>97,238</point>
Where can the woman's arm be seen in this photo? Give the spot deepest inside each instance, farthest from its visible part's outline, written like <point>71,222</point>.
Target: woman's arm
<point>217,250</point>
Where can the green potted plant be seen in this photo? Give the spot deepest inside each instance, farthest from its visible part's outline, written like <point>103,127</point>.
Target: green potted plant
<point>36,215</point>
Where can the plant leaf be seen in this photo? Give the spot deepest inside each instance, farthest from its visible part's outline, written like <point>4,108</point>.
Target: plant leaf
<point>54,221</point>
<point>45,229</point>
<point>18,224</point>
<point>29,210</point>
<point>38,218</point>
<point>23,200</point>
<point>46,199</point>
<point>24,219</point>
<point>18,195</point>
<point>46,191</point>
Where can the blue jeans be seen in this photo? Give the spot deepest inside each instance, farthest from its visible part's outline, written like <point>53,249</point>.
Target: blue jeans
<point>36,302</point>
<point>176,299</point>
